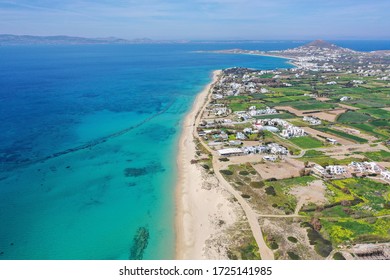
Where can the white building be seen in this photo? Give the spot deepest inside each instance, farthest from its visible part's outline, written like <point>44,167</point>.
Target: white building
<point>331,141</point>
<point>386,175</point>
<point>270,158</point>
<point>230,152</point>
<point>319,169</point>
<point>335,169</point>
<point>267,111</point>
<point>365,167</point>
<point>311,120</point>
<point>293,131</point>
<point>240,136</point>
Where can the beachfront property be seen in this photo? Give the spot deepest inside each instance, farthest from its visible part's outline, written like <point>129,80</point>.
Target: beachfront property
<point>272,148</point>
<point>219,110</point>
<point>230,152</point>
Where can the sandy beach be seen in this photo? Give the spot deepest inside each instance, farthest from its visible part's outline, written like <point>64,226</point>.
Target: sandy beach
<point>200,202</point>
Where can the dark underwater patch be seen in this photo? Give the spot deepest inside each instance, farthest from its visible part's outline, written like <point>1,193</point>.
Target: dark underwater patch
<point>157,133</point>
<point>154,167</point>
<point>140,242</point>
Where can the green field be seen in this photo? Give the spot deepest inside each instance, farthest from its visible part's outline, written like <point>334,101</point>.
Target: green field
<point>378,156</point>
<point>290,91</point>
<point>353,117</point>
<point>306,142</point>
<point>287,98</point>
<point>346,230</point>
<point>342,134</point>
<point>276,116</point>
<point>377,113</point>
<point>270,137</point>
<point>366,103</point>
<point>288,183</point>
<point>381,123</point>
<point>315,106</point>
<point>303,105</point>
<point>380,132</point>
<point>353,211</point>
<point>238,105</point>
<point>324,160</point>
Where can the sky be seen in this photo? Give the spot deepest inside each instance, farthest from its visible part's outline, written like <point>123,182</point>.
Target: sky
<point>199,19</point>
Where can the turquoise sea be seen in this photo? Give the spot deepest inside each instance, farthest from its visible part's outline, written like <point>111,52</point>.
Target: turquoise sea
<point>88,141</point>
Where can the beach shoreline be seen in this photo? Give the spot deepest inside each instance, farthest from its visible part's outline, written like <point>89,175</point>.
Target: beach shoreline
<point>189,184</point>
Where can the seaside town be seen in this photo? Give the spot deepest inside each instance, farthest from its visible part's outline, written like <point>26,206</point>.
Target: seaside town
<point>304,152</point>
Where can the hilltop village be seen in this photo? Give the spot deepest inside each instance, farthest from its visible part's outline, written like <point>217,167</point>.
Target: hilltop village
<point>307,151</point>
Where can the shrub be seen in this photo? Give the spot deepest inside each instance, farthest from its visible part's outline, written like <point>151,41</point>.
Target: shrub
<point>292,239</point>
<point>244,173</point>
<point>226,172</point>
<point>270,191</point>
<point>271,180</point>
<point>338,256</point>
<point>205,166</point>
<point>293,256</point>
<point>273,245</point>
<point>257,184</point>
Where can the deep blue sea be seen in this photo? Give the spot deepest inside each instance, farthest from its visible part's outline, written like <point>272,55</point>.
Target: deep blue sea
<point>88,141</point>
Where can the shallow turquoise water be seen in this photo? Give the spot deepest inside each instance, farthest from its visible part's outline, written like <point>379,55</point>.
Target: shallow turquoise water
<point>88,145</point>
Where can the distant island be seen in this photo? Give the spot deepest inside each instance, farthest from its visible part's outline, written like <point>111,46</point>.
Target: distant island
<point>12,39</point>
<point>9,39</point>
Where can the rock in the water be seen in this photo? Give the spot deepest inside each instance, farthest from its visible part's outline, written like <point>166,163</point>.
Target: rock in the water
<point>140,242</point>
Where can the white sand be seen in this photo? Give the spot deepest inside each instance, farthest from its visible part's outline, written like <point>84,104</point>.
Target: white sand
<point>198,206</point>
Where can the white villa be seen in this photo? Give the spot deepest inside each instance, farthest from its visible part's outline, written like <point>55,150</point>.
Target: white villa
<point>335,169</point>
